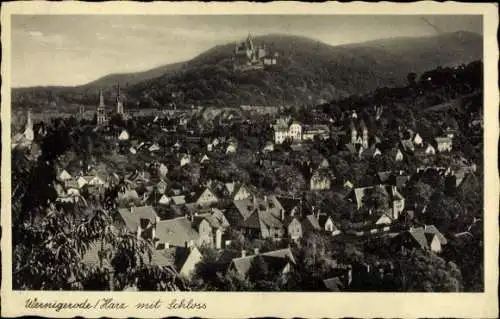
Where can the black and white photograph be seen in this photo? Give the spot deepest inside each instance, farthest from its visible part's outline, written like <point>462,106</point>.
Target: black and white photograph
<point>247,153</point>
<point>277,153</point>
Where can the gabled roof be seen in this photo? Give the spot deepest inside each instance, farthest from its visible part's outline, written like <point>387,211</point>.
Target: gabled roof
<point>273,258</point>
<point>179,200</point>
<point>431,229</point>
<point>176,231</point>
<point>359,193</point>
<point>312,222</point>
<point>247,206</point>
<point>419,235</point>
<point>262,220</point>
<point>134,216</point>
<point>173,256</point>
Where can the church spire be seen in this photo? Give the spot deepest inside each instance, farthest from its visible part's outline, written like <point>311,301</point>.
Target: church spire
<point>101,99</point>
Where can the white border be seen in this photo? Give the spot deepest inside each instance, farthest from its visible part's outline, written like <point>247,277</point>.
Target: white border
<point>309,305</point>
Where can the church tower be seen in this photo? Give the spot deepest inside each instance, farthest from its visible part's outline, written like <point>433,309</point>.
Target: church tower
<point>354,133</point>
<point>365,134</point>
<point>101,111</point>
<point>119,102</point>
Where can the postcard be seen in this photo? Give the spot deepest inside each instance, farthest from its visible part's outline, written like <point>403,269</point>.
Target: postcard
<point>235,160</point>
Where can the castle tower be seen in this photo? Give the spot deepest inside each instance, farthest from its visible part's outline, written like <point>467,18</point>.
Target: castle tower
<point>119,102</point>
<point>29,135</point>
<point>101,111</point>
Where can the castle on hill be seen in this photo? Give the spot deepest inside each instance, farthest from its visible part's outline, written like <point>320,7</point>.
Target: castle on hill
<point>248,56</point>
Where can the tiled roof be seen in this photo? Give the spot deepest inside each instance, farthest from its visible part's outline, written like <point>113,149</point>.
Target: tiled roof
<point>176,231</point>
<point>431,229</point>
<point>173,256</point>
<point>272,258</point>
<point>132,217</point>
<point>419,235</point>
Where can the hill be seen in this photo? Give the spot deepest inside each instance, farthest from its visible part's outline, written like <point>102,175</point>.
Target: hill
<point>308,72</point>
<point>126,79</point>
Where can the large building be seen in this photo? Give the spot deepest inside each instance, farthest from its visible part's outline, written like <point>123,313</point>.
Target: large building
<point>283,132</point>
<point>248,56</point>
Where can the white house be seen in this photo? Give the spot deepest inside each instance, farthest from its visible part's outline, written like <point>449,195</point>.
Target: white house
<point>399,156</point>
<point>185,160</point>
<point>124,136</point>
<point>430,150</point>
<point>444,144</point>
<point>204,158</point>
<point>64,176</point>
<point>417,140</point>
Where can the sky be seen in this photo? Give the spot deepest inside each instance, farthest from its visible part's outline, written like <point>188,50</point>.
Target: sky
<point>77,49</point>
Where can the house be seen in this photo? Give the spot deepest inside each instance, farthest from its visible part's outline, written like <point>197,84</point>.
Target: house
<point>396,201</point>
<point>132,150</point>
<point>348,184</point>
<point>64,176</point>
<point>71,186</point>
<point>294,228</point>
<point>398,155</point>
<point>283,131</point>
<point>204,158</point>
<point>161,186</point>
<point>138,220</point>
<point>417,140</point>
<point>320,181</point>
<point>326,223</point>
<point>243,209</point>
<point>262,224</point>
<point>206,197</point>
<point>162,170</point>
<point>185,159</point>
<point>444,144</point>
<point>231,148</point>
<point>178,200</point>
<point>269,147</point>
<point>164,200</point>
<point>154,148</point>
<point>427,237</point>
<point>217,223</point>
<point>236,191</point>
<point>124,136</point>
<point>183,259</point>
<point>176,232</point>
<point>127,195</point>
<point>407,145</point>
<point>90,180</point>
<point>279,261</point>
<point>292,206</point>
<point>310,131</point>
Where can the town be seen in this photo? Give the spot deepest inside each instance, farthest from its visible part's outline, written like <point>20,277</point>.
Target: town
<point>370,193</point>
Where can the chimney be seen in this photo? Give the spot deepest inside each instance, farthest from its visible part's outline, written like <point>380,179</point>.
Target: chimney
<point>256,251</point>
<point>132,209</point>
<point>243,253</point>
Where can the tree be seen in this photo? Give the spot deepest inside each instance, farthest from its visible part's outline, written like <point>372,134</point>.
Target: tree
<point>423,271</point>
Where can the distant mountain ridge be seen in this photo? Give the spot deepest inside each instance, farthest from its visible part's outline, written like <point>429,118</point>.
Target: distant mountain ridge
<point>308,71</point>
